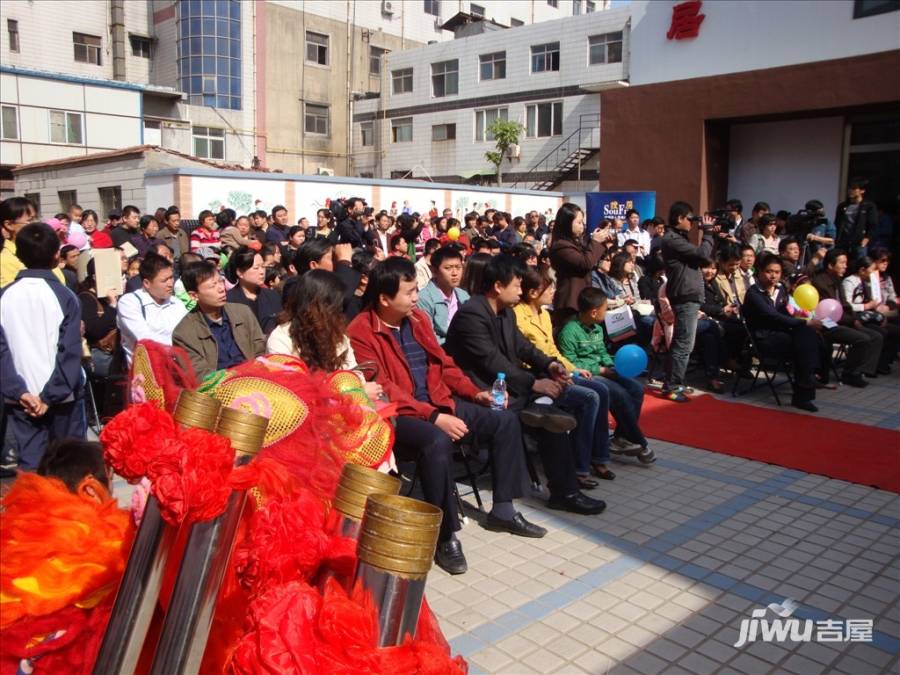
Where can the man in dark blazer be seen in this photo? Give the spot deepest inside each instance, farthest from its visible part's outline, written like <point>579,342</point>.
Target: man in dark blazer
<point>483,340</point>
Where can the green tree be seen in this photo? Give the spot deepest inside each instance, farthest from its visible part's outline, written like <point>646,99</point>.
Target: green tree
<point>505,133</point>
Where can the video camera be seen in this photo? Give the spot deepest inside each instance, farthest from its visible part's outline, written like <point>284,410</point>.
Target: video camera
<point>802,223</point>
<point>721,221</point>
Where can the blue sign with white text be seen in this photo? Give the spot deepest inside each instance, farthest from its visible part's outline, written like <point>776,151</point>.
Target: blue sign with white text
<point>611,205</point>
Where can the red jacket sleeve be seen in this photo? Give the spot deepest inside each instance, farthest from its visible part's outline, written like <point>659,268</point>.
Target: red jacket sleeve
<point>363,340</point>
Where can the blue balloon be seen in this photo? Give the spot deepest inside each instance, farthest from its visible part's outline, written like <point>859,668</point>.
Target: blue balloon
<point>631,361</point>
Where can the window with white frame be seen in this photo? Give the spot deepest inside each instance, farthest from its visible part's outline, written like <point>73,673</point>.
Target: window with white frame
<point>445,78</point>
<point>485,118</point>
<point>316,48</point>
<point>140,46</point>
<point>402,130</point>
<point>544,119</point>
<point>12,29</point>
<point>111,198</point>
<point>553,3</point>
<point>209,143</point>
<point>443,132</point>
<point>476,10</point>
<point>492,66</point>
<point>589,7</point>
<point>576,7</point>
<point>402,81</point>
<point>316,119</point>
<point>433,7</point>
<point>9,123</point>
<point>376,56</point>
<point>367,132</point>
<point>545,57</point>
<point>66,199</point>
<point>65,127</point>
<point>606,48</point>
<point>87,48</point>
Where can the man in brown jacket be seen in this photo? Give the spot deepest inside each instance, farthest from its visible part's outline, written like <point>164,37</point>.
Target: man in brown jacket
<point>216,334</point>
<point>173,235</point>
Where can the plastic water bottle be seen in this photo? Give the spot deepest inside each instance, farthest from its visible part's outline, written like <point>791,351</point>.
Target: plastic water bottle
<point>498,393</point>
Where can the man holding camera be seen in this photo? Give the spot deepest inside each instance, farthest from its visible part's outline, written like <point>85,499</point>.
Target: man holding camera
<point>686,247</point>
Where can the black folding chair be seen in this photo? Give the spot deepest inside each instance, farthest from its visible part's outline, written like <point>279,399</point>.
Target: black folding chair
<point>766,364</point>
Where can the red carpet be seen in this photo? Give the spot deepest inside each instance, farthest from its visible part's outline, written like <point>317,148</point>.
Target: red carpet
<point>811,443</point>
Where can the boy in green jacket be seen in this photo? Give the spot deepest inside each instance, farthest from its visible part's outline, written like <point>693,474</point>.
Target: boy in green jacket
<point>582,342</point>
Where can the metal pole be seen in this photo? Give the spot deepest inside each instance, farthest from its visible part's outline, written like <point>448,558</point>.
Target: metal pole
<point>140,585</point>
<point>189,619</point>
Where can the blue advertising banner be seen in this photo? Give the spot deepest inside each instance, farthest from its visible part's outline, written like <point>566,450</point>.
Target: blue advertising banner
<point>602,205</point>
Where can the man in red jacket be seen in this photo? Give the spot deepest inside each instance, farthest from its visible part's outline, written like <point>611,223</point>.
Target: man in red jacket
<point>437,406</point>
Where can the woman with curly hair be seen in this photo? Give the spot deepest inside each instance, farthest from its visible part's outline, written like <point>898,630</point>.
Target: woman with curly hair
<point>313,328</point>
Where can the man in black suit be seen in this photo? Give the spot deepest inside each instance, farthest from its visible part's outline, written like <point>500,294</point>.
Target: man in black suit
<point>777,332</point>
<point>856,219</point>
<point>483,340</point>
<point>351,229</point>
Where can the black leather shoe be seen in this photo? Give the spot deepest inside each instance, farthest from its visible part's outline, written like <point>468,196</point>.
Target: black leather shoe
<point>577,503</point>
<point>854,381</point>
<point>449,557</point>
<point>547,417</point>
<point>517,526</point>
<point>808,406</point>
<point>884,370</point>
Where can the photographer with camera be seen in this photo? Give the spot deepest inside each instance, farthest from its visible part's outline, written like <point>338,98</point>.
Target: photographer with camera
<point>351,228</point>
<point>686,248</point>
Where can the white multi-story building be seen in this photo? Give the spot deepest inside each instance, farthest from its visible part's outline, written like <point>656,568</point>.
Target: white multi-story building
<point>433,119</point>
<point>236,81</point>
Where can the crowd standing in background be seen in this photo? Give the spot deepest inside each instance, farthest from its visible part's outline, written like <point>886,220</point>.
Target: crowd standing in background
<point>432,311</point>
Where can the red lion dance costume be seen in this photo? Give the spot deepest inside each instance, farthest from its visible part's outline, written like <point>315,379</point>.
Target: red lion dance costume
<point>271,616</point>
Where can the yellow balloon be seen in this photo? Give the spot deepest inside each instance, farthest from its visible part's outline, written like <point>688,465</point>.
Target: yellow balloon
<point>806,297</point>
<point>453,234</point>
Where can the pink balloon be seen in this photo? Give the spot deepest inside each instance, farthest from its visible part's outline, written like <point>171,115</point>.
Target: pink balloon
<point>829,309</point>
<point>77,239</point>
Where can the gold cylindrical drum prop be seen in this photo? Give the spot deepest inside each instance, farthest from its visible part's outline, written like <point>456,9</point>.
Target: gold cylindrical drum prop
<point>395,550</point>
<point>189,619</point>
<point>356,484</point>
<point>139,590</point>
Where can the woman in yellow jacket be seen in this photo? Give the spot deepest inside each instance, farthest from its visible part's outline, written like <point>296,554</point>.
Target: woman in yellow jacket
<point>586,394</point>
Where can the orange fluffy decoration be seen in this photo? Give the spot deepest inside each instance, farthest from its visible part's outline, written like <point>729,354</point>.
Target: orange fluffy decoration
<point>58,549</point>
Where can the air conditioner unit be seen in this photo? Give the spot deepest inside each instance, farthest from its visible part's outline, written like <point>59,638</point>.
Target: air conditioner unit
<point>514,151</point>
<point>387,7</point>
<point>324,171</point>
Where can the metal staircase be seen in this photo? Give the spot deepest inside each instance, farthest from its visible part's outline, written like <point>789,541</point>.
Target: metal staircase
<point>568,156</point>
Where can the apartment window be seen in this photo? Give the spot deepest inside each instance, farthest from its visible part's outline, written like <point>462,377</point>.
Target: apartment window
<point>433,7</point>
<point>316,119</point>
<point>864,8</point>
<point>589,7</point>
<point>576,7</point>
<point>140,46</point>
<point>476,10</point>
<point>65,127</point>
<point>87,48</point>
<point>515,23</point>
<point>545,58</point>
<point>111,198</point>
<point>445,78</point>
<point>67,198</point>
<point>543,119</point>
<point>402,81</point>
<point>553,3</point>
<point>376,56</point>
<point>397,174</point>
<point>367,131</point>
<point>443,132</point>
<point>366,174</point>
<point>209,143</point>
<point>485,118</point>
<point>402,130</point>
<point>606,48</point>
<point>493,66</point>
<point>316,48</point>
<point>9,123</point>
<point>12,27</point>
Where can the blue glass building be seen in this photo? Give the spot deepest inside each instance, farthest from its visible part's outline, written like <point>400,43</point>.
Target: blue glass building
<point>209,52</point>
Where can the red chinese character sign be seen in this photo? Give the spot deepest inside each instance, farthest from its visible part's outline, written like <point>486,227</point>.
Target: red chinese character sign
<point>686,20</point>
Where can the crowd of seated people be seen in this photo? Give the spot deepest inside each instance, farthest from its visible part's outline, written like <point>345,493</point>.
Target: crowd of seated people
<point>437,307</point>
